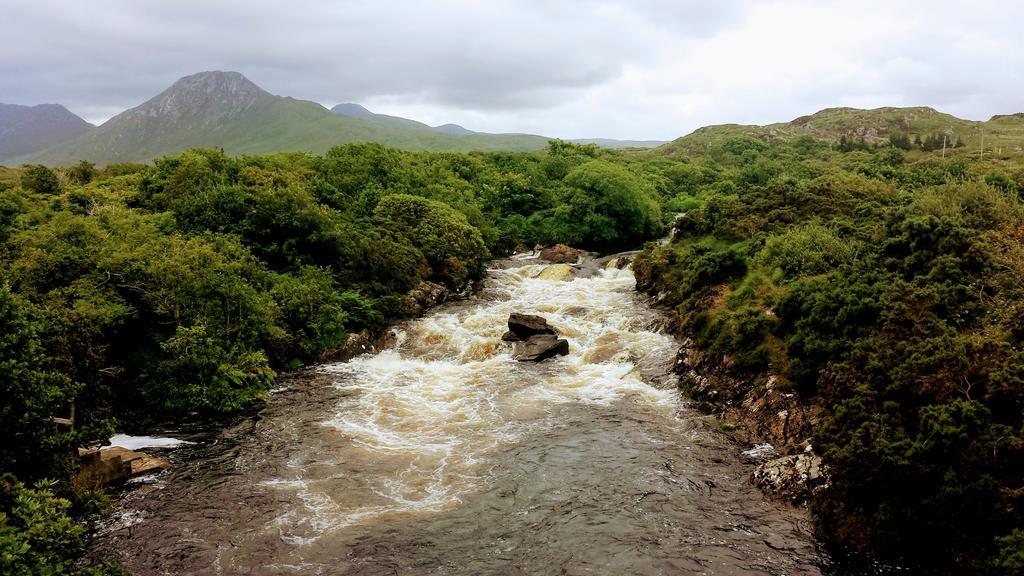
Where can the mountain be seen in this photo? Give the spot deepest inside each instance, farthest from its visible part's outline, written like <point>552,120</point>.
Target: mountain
<point>226,110</point>
<point>454,129</point>
<point>357,111</point>
<point>1004,133</point>
<point>27,129</point>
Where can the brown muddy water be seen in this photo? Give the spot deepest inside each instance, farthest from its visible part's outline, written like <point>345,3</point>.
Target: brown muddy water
<point>444,456</point>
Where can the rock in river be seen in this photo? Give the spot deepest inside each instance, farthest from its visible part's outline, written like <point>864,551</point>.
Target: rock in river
<point>558,272</point>
<point>522,326</point>
<point>561,254</point>
<point>540,347</point>
<point>116,464</point>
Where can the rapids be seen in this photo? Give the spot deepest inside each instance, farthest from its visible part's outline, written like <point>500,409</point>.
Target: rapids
<point>442,455</point>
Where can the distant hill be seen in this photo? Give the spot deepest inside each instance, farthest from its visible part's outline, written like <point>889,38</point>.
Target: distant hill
<point>358,111</point>
<point>28,129</point>
<point>612,143</point>
<point>454,129</point>
<point>226,110</point>
<point>1004,133</point>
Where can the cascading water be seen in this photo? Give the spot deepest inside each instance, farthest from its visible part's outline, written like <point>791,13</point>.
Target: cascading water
<point>443,455</point>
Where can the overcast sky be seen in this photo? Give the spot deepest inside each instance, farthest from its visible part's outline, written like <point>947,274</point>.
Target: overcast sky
<point>652,69</point>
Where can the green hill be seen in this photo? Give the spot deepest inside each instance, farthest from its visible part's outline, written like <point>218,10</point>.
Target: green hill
<point>226,110</point>
<point>1002,134</point>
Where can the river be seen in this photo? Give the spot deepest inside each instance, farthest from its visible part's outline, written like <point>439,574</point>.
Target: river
<point>442,455</point>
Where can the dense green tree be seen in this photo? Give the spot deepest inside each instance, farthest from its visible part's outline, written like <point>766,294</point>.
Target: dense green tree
<point>39,179</point>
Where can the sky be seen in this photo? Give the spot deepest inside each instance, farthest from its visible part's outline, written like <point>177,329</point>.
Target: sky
<point>640,69</point>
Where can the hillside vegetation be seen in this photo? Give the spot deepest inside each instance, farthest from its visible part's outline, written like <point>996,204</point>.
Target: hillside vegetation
<point>225,110</point>
<point>886,290</point>
<point>1003,135</point>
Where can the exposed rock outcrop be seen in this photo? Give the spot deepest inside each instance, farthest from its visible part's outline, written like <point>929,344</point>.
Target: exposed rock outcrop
<point>619,262</point>
<point>755,412</point>
<point>425,296</point>
<point>762,413</point>
<point>794,478</point>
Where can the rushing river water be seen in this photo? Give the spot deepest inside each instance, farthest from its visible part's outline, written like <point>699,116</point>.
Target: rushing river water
<point>443,455</point>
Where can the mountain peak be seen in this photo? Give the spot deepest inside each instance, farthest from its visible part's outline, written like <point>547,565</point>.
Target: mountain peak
<point>213,95</point>
<point>217,81</point>
<point>352,109</point>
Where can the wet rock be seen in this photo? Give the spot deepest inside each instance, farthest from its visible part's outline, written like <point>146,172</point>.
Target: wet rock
<point>561,254</point>
<point>116,464</point>
<point>619,263</point>
<point>523,326</point>
<point>540,347</point>
<point>760,453</point>
<point>794,478</point>
<point>557,272</point>
<point>425,296</point>
<point>357,344</point>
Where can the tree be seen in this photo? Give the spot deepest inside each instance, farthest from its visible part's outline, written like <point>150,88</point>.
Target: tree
<point>453,248</point>
<point>611,206</point>
<point>82,173</point>
<point>901,141</point>
<point>31,391</point>
<point>39,179</point>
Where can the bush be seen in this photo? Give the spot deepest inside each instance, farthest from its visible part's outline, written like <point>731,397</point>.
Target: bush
<point>39,179</point>
<point>805,251</point>
<point>453,249</point>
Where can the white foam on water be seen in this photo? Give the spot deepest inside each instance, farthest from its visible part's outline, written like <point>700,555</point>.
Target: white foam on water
<point>140,442</point>
<point>428,415</point>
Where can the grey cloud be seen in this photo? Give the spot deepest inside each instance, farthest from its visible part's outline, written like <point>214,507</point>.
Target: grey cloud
<point>515,65</point>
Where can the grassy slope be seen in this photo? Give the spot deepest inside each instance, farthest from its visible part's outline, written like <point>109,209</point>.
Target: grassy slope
<point>273,124</point>
<point>1004,133</point>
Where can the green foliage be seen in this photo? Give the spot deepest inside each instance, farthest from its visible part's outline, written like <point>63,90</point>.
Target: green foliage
<point>182,288</point>
<point>609,206</point>
<point>39,179</point>
<point>32,391</point>
<point>805,251</point>
<point>885,289</point>
<point>38,537</point>
<point>453,249</point>
<point>81,173</point>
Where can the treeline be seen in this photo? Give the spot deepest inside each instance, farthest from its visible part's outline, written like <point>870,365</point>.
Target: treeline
<point>181,289</point>
<point>891,296</point>
<point>931,142</point>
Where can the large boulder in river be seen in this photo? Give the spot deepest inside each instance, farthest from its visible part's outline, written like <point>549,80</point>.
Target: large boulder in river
<point>540,347</point>
<point>561,254</point>
<point>523,326</point>
<point>557,272</point>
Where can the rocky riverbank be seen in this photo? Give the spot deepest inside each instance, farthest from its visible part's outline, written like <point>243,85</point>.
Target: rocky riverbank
<point>756,412</point>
